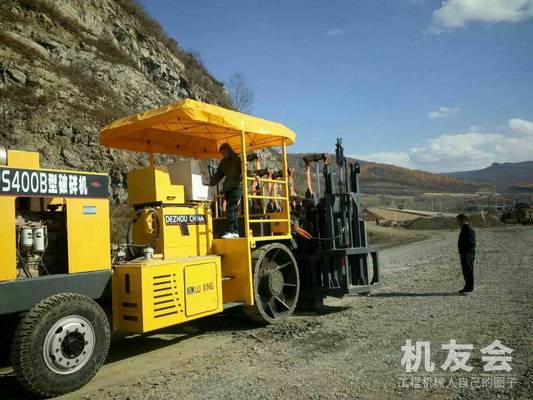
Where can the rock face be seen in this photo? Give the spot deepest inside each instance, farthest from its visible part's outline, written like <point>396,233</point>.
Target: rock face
<point>69,67</point>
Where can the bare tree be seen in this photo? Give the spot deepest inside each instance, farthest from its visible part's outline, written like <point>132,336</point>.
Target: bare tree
<point>240,92</point>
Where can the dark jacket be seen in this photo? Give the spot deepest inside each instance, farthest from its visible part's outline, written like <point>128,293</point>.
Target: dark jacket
<point>467,240</point>
<point>230,168</point>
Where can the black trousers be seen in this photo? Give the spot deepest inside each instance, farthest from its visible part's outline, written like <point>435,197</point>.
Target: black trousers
<point>467,265</point>
<point>232,199</point>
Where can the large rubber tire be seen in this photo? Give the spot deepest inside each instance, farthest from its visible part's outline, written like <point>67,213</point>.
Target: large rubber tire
<point>276,284</point>
<point>7,330</point>
<point>72,327</point>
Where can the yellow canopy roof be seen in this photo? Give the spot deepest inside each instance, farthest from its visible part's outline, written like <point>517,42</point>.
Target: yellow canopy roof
<point>194,129</point>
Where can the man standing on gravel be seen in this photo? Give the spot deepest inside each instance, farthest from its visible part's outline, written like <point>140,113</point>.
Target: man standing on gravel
<point>467,252</point>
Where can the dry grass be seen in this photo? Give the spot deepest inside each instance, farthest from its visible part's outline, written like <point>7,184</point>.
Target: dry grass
<point>112,54</point>
<point>6,14</point>
<point>120,218</point>
<point>104,106</point>
<point>135,9</point>
<point>24,96</point>
<point>48,7</point>
<point>195,71</point>
<point>100,114</point>
<point>85,81</point>
<point>25,51</point>
<point>109,52</point>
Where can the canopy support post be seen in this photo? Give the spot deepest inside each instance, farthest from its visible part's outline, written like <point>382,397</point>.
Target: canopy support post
<point>285,166</point>
<point>244,184</point>
<point>151,159</point>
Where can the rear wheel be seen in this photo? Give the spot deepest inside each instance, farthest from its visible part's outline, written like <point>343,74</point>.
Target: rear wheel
<point>60,344</point>
<point>7,330</point>
<point>276,284</point>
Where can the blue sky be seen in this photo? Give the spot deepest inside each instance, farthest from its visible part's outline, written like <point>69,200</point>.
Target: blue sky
<point>440,86</point>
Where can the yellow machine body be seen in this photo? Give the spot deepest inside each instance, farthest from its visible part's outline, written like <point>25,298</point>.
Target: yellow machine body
<point>88,235</point>
<point>152,184</point>
<point>184,280</point>
<point>87,218</point>
<point>193,272</point>
<point>236,264</point>
<point>152,294</point>
<point>174,265</point>
<point>184,231</point>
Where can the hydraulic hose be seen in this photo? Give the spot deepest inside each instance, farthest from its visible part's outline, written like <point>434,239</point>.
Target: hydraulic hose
<point>155,236</point>
<point>306,235</point>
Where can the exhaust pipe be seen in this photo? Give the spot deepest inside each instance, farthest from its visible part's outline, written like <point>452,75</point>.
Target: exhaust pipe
<point>3,155</point>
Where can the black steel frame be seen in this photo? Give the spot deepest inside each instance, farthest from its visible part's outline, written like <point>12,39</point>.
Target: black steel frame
<point>340,262</point>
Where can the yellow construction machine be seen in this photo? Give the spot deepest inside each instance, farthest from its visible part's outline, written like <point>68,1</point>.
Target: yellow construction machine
<point>62,289</point>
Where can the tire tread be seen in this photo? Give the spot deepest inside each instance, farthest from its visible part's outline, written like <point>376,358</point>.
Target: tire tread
<point>21,355</point>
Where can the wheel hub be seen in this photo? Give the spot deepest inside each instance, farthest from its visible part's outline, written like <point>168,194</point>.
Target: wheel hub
<point>68,345</point>
<point>276,282</point>
<point>73,344</point>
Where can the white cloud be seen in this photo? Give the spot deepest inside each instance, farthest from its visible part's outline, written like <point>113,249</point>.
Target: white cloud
<point>458,151</point>
<point>443,112</point>
<point>335,32</point>
<point>457,13</point>
<point>520,148</point>
<point>521,126</point>
<point>463,151</point>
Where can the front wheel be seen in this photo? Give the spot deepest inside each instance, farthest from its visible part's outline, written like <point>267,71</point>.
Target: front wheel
<point>60,344</point>
<point>276,284</point>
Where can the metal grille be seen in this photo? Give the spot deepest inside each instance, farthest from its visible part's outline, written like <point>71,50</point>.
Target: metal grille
<point>166,299</point>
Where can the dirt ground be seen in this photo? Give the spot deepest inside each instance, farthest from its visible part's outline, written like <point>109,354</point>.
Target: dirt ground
<point>353,349</point>
<point>392,215</point>
<point>386,236</point>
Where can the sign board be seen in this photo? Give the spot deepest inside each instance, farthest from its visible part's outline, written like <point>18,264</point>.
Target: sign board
<point>49,183</point>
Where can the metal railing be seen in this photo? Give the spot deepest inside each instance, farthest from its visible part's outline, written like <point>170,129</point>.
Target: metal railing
<point>285,227</point>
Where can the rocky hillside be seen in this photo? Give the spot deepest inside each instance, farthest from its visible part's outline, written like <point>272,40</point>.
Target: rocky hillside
<point>504,176</point>
<point>376,177</point>
<point>68,67</point>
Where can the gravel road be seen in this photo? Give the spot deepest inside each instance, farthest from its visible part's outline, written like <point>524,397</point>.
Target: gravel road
<point>353,349</point>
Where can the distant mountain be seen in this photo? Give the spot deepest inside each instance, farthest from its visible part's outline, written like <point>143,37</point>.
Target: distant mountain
<point>377,177</point>
<point>504,176</point>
